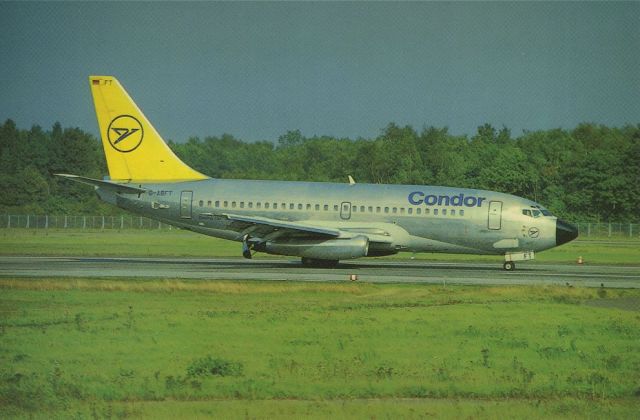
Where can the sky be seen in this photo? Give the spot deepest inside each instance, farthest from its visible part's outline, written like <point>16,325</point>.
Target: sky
<point>258,69</point>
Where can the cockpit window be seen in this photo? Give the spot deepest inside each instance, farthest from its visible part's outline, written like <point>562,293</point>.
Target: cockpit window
<point>532,212</point>
<point>544,212</point>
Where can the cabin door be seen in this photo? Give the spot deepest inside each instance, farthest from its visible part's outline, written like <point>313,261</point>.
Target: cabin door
<point>495,215</point>
<point>186,198</point>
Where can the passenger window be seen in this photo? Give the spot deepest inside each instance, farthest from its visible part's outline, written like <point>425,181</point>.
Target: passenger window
<point>291,206</point>
<point>275,206</point>
<point>461,212</point>
<point>326,207</point>
<point>401,210</point>
<point>335,207</point>
<point>266,205</point>
<point>361,209</point>
<point>435,212</point>
<point>453,212</point>
<point>410,210</point>
<point>209,203</point>
<point>201,203</point>
<point>233,204</point>
<point>317,207</point>
<point>386,209</point>
<point>242,204</point>
<point>377,209</point>
<point>308,206</point>
<point>226,204</point>
<point>250,204</point>
<point>418,210</point>
<point>258,205</point>
<point>284,206</point>
<point>217,203</point>
<point>444,212</point>
<point>299,206</point>
<point>354,209</point>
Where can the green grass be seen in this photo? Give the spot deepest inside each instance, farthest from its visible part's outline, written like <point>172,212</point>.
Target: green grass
<point>161,348</point>
<point>178,243</point>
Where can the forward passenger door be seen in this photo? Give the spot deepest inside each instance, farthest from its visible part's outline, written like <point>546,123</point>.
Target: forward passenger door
<point>495,215</point>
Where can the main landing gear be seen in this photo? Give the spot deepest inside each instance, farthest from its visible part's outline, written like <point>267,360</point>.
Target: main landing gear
<point>246,247</point>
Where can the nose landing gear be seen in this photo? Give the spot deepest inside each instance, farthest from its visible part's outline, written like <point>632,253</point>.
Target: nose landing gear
<point>510,259</point>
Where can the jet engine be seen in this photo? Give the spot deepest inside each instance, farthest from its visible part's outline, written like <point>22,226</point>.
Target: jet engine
<point>318,249</point>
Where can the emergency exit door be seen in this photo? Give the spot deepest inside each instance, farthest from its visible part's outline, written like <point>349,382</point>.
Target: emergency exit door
<point>345,210</point>
<point>186,198</point>
<point>495,215</point>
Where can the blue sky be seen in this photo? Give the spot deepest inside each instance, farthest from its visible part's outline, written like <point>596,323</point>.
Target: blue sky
<point>256,70</point>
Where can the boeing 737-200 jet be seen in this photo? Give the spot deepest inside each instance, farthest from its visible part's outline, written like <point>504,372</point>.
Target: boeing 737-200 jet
<point>318,221</point>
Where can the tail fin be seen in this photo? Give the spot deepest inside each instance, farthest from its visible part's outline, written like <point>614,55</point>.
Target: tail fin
<point>134,149</point>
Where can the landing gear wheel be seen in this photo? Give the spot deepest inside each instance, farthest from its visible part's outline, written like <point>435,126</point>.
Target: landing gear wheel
<point>509,265</point>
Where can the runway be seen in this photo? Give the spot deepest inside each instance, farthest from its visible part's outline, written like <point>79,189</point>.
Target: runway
<point>373,271</point>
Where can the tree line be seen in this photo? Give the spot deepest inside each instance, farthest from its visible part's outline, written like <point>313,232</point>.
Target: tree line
<point>589,173</point>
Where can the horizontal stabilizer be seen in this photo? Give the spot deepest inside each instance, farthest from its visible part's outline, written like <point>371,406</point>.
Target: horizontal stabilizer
<point>118,188</point>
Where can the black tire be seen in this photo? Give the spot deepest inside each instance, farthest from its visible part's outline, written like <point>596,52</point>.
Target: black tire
<point>509,266</point>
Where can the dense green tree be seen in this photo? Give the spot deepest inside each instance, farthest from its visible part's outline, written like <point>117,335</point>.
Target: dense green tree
<point>589,173</point>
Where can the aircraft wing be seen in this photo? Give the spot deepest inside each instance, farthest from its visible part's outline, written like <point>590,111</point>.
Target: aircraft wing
<point>109,185</point>
<point>266,228</point>
<point>262,229</point>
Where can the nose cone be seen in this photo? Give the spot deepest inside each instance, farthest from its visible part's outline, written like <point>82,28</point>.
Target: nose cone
<point>565,232</point>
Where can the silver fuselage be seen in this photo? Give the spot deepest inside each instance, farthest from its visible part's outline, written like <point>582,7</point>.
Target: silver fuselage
<point>417,218</point>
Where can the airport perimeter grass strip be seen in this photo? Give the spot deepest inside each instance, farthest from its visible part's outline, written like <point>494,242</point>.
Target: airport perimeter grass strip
<point>166,348</point>
<point>178,243</point>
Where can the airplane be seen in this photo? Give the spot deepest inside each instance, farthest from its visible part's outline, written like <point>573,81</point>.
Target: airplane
<point>320,222</point>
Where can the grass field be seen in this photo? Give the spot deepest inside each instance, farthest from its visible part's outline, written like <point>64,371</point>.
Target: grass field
<point>100,348</point>
<point>177,243</point>
<point>170,348</point>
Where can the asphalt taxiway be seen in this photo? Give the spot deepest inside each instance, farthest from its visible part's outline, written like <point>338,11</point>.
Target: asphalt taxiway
<point>374,271</point>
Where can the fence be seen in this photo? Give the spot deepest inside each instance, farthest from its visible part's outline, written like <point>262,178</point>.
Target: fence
<point>629,230</point>
<point>79,222</point>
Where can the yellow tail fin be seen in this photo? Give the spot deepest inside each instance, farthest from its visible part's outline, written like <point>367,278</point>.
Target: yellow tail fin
<point>134,149</point>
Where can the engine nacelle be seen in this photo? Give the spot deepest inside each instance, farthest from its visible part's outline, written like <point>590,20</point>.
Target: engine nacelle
<point>320,249</point>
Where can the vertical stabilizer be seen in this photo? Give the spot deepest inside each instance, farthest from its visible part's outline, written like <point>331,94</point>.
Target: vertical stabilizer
<point>133,148</point>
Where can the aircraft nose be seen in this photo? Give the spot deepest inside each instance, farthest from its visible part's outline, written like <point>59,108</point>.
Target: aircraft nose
<point>565,232</point>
